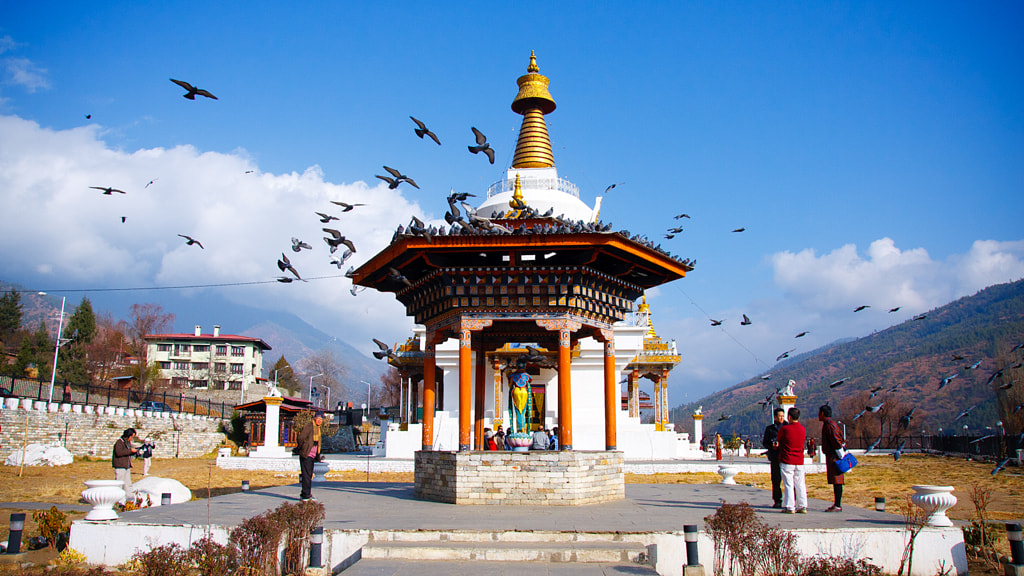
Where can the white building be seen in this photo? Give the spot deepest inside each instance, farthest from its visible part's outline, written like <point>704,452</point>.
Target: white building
<point>207,361</point>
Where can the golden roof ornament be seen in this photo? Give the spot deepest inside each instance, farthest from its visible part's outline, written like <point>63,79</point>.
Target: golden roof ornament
<point>645,316</point>
<point>533,149</point>
<point>517,203</point>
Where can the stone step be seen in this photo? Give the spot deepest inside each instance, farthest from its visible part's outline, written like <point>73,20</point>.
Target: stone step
<point>550,552</point>
<point>509,536</point>
<point>460,568</point>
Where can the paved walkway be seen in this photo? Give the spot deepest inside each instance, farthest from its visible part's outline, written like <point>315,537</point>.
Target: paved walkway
<point>437,568</point>
<point>391,506</point>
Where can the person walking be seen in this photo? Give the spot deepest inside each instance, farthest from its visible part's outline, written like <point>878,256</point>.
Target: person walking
<point>146,453</point>
<point>309,452</point>
<point>718,446</point>
<point>122,462</point>
<point>770,441</point>
<point>832,445</point>
<point>791,438</point>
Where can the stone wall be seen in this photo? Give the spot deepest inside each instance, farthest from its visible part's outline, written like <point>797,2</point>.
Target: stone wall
<point>567,478</point>
<point>93,434</point>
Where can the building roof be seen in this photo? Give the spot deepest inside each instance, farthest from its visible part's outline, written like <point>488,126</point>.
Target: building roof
<point>288,404</point>
<point>226,338</point>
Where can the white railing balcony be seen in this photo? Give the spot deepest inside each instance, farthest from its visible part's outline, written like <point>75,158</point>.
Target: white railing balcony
<point>528,184</point>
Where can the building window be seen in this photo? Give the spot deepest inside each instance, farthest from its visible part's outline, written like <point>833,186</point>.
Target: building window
<point>197,383</point>
<point>234,386</point>
<point>179,382</point>
<point>200,366</point>
<point>200,347</point>
<point>164,365</point>
<point>219,367</point>
<point>222,350</point>
<point>181,349</point>
<point>236,368</point>
<point>163,347</point>
<point>181,365</point>
<point>238,351</point>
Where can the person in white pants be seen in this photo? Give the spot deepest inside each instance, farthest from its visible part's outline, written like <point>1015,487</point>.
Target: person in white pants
<point>792,438</point>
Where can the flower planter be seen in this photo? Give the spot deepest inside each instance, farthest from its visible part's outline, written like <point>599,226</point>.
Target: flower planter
<point>102,494</point>
<point>320,470</point>
<point>934,500</point>
<point>728,473</point>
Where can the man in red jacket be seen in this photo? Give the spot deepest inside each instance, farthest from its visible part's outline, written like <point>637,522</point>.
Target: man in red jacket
<point>792,438</point>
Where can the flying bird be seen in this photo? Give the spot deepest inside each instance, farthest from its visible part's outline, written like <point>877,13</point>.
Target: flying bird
<point>123,218</point>
<point>873,445</point>
<point>740,230</point>
<point>351,272</point>
<point>284,264</point>
<point>150,182</point>
<point>784,354</point>
<point>724,417</point>
<point>875,391</point>
<point>190,241</point>
<point>905,420</point>
<point>1008,385</point>
<point>298,245</point>
<point>399,177</point>
<point>716,322</point>
<point>678,216</point>
<point>609,189</point>
<point>422,131</point>
<point>859,308</point>
<point>337,239</point>
<point>766,377</point>
<point>356,289</point>
<point>88,116</point>
<point>746,321</point>
<point>964,413</point>
<point>107,191</point>
<point>802,334</point>
<point>957,358</point>
<point>394,274</point>
<point>837,383</point>
<point>669,236</point>
<point>899,451</point>
<point>482,145</point>
<point>896,309</point>
<point>920,317</point>
<point>325,218</point>
<point>859,414</point>
<point>384,352</point>
<point>346,207</point>
<point>874,409</point>
<point>675,230</point>
<point>1018,408</point>
<point>340,261</point>
<point>1000,466</point>
<point>947,380</point>
<point>973,366</point>
<point>192,90</point>
<point>284,280</point>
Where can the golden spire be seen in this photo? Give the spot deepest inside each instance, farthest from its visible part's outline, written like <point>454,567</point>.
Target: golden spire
<point>533,149</point>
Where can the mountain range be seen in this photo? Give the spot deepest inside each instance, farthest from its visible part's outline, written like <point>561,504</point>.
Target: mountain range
<point>966,341</point>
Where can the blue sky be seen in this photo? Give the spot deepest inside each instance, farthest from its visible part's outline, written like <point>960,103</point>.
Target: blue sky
<point>874,152</point>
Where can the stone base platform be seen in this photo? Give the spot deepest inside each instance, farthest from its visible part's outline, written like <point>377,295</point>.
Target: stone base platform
<point>540,478</point>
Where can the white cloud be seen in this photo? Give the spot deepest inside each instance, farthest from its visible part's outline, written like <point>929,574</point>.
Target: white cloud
<point>818,293</point>
<point>23,72</point>
<point>60,232</point>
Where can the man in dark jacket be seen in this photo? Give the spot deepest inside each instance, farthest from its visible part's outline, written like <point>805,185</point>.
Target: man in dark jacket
<point>832,442</point>
<point>122,461</point>
<point>771,444</point>
<point>309,452</point>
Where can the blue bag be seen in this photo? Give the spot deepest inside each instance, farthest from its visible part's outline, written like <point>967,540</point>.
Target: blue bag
<point>846,463</point>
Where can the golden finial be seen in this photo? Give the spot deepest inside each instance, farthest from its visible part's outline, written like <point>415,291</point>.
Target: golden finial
<point>645,313</point>
<point>533,149</point>
<point>517,202</point>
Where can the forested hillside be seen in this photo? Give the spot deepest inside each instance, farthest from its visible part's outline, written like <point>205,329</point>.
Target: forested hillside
<point>969,340</point>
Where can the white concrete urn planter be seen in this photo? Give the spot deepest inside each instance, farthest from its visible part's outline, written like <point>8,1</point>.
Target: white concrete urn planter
<point>102,494</point>
<point>934,500</point>
<point>320,470</point>
<point>728,473</point>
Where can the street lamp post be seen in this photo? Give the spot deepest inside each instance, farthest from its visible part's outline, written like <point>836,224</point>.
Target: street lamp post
<point>310,396</point>
<point>367,392</point>
<point>328,405</point>
<point>56,348</point>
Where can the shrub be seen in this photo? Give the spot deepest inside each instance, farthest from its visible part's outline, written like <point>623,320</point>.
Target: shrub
<point>167,560</point>
<point>213,559</point>
<point>831,566</point>
<point>53,526</point>
<point>744,544</point>
<point>297,521</point>
<point>257,539</point>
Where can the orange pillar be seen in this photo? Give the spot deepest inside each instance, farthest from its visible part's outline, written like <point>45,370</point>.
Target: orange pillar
<point>428,396</point>
<point>564,390</point>
<point>478,405</point>
<point>612,396</point>
<point>465,388</point>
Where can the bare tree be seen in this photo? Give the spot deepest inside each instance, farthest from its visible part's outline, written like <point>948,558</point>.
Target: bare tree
<point>143,320</point>
<point>107,350</point>
<point>333,372</point>
<point>389,393</point>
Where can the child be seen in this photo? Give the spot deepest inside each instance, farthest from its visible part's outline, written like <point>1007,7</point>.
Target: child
<point>146,453</point>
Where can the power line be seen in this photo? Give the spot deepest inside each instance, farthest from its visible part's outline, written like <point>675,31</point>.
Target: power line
<point>183,287</point>
<point>724,331</point>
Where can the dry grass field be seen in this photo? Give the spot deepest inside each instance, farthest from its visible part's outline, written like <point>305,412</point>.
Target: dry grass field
<point>876,476</point>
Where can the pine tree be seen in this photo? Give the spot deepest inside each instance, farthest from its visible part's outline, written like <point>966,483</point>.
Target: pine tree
<point>285,375</point>
<point>78,333</point>
<point>10,315</point>
<point>36,350</point>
